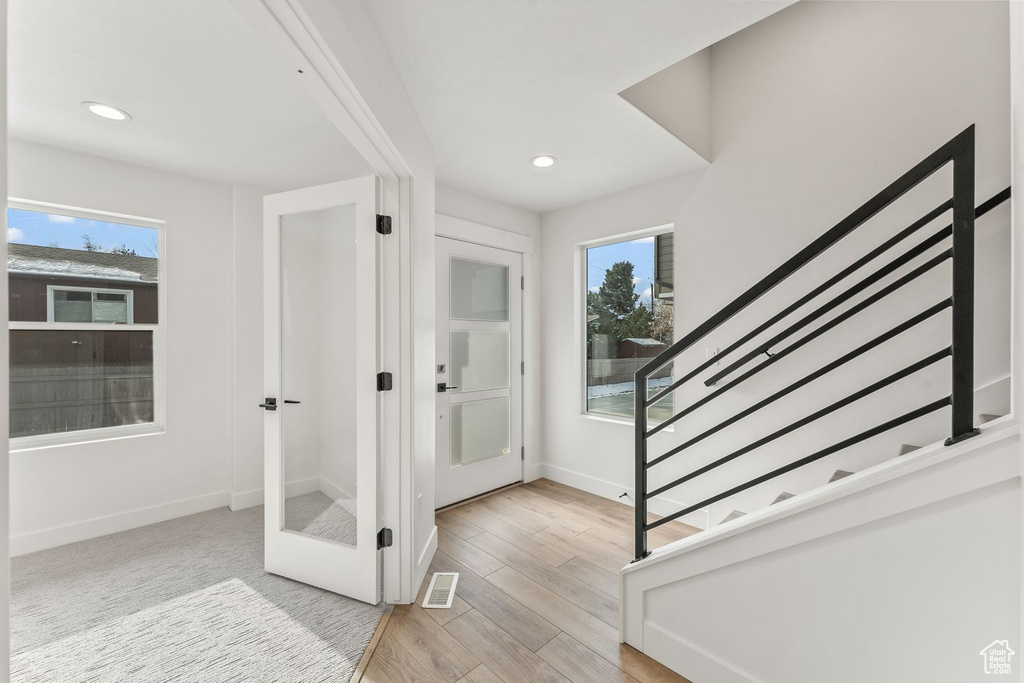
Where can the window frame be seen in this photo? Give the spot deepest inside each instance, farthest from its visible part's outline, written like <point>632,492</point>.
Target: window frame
<point>580,321</point>
<point>159,330</point>
<point>129,299</point>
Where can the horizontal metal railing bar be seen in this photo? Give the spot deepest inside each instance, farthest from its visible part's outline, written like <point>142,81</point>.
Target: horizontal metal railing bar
<point>807,379</point>
<point>906,182</point>
<point>893,265</point>
<point>825,327</point>
<point>983,208</point>
<point>807,419</point>
<point>813,294</point>
<point>818,455</point>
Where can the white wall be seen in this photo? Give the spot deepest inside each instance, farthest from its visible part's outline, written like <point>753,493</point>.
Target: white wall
<point>66,493</point>
<point>585,451</point>
<point>247,344</point>
<point>815,109</point>
<point>465,205</point>
<point>5,571</point>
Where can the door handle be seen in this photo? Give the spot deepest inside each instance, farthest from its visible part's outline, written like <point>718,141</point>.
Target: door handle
<point>269,404</point>
<point>443,387</point>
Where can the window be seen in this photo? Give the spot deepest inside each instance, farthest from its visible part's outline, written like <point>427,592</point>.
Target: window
<point>85,324</point>
<point>85,305</point>
<point>628,321</point>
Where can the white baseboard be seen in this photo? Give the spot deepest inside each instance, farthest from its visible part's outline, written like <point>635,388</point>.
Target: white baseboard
<point>248,499</point>
<point>34,541</point>
<point>334,491</point>
<point>679,655</point>
<point>533,472</point>
<point>612,491</point>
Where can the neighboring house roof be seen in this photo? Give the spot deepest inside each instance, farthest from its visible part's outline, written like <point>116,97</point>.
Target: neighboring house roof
<point>644,342</point>
<point>30,259</point>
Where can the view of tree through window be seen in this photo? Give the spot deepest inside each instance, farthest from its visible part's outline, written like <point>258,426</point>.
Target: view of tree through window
<point>83,310</point>
<point>629,321</point>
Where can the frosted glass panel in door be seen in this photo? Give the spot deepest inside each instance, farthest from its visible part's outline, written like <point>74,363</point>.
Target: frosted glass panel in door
<point>318,368</point>
<point>479,360</point>
<point>479,430</point>
<point>479,291</point>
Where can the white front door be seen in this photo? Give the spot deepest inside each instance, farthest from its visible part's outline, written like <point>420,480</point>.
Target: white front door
<point>321,423</point>
<point>479,372</point>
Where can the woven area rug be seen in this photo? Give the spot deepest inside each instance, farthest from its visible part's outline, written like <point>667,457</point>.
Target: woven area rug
<point>184,600</point>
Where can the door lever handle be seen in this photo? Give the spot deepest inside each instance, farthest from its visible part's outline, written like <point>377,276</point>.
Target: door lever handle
<point>443,387</point>
<point>269,404</point>
<point>290,401</point>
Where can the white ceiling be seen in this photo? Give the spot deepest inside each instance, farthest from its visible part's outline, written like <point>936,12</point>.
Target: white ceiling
<point>208,97</point>
<point>497,82</point>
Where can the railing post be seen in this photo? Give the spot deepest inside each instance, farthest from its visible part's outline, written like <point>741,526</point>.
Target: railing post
<point>640,424</point>
<point>963,289</point>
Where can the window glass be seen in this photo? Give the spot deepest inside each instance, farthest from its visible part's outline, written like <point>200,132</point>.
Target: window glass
<point>628,322</point>
<point>65,271</point>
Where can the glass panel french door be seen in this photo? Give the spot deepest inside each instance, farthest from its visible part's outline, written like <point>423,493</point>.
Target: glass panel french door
<point>479,380</point>
<point>321,286</point>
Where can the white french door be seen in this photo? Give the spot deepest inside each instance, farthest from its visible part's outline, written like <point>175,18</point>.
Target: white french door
<point>321,268</point>
<point>479,380</point>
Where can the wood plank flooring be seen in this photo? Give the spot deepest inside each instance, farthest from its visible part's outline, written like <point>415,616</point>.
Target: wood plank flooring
<point>537,598</point>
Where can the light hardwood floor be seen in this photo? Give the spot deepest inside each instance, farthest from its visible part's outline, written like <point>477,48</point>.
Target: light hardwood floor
<point>537,598</point>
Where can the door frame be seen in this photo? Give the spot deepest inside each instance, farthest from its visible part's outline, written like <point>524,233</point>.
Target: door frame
<point>289,29</point>
<point>487,236</point>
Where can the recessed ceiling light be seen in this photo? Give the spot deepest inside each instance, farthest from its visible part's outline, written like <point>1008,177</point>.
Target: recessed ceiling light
<point>543,161</point>
<point>107,112</point>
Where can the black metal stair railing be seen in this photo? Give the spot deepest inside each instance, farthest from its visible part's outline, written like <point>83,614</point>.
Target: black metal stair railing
<point>960,153</point>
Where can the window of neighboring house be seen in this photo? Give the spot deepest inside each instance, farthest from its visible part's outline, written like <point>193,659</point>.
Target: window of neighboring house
<point>86,338</point>
<point>628,322</point>
<point>87,305</point>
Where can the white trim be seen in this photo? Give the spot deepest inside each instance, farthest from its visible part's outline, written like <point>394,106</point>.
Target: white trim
<point>129,303</point>
<point>681,655</point>
<point>86,214</point>
<point>612,491</point>
<point>43,539</point>
<point>35,442</point>
<point>248,499</point>
<point>113,327</point>
<point>425,557</point>
<point>484,235</point>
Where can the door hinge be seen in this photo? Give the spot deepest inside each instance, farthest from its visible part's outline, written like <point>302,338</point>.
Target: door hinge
<point>522,282</point>
<point>384,538</point>
<point>384,382</point>
<point>383,224</point>
<point>522,453</point>
<point>522,367</point>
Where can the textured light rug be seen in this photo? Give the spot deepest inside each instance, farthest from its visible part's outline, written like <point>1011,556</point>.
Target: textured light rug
<point>185,600</point>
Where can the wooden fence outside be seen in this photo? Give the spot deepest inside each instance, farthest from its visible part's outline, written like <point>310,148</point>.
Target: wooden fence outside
<point>48,399</point>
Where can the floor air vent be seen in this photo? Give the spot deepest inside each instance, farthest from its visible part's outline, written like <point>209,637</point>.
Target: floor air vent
<point>441,590</point>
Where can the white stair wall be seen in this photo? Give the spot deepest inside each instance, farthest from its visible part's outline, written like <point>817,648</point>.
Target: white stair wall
<point>900,572</point>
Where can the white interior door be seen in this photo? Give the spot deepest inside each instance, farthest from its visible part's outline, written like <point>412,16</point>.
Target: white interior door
<point>479,378</point>
<point>321,425</point>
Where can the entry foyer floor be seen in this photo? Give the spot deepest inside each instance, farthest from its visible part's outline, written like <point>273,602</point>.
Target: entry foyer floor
<point>537,598</point>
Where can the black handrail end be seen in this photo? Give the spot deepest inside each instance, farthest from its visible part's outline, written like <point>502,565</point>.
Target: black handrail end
<point>642,557</point>
<point>962,437</point>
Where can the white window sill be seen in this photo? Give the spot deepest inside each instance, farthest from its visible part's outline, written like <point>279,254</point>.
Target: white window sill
<point>83,437</point>
<point>600,417</point>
